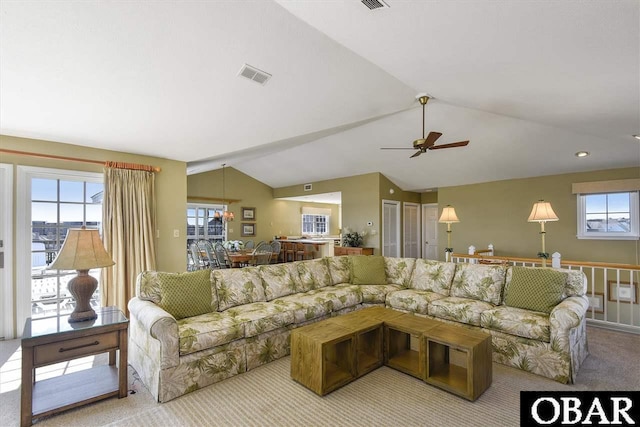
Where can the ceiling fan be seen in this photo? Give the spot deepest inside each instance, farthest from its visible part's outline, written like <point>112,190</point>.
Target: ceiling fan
<point>423,144</point>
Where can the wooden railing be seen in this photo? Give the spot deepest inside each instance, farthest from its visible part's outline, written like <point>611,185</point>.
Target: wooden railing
<point>612,289</point>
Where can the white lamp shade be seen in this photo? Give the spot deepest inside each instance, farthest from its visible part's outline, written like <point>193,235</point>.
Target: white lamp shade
<point>542,212</point>
<point>82,250</point>
<point>448,215</point>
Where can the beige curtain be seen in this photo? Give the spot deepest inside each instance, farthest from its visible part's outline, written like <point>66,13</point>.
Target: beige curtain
<point>128,224</point>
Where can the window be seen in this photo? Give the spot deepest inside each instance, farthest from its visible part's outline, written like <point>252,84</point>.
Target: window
<point>50,202</point>
<point>611,216</point>
<point>203,224</point>
<point>315,224</point>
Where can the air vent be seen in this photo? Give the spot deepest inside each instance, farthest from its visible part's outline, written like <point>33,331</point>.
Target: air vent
<point>375,4</point>
<point>308,187</point>
<point>252,73</point>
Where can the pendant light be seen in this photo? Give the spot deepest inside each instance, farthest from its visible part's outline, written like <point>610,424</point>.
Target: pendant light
<point>226,216</point>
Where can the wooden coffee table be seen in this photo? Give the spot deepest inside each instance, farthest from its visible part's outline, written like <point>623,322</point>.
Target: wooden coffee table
<point>322,356</point>
<point>333,352</point>
<point>458,360</point>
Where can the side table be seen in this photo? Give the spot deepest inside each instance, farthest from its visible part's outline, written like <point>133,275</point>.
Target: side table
<point>53,340</point>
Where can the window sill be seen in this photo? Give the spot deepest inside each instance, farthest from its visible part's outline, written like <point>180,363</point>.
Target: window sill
<point>607,237</point>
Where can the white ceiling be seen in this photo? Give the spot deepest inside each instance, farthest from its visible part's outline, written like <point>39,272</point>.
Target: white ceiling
<point>529,83</point>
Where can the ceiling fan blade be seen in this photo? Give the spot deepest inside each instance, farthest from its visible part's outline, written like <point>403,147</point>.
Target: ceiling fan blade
<point>397,148</point>
<point>417,153</point>
<point>454,144</point>
<point>432,138</point>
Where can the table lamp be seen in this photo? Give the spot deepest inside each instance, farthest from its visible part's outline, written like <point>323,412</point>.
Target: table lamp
<point>82,250</point>
<point>448,216</point>
<point>542,212</point>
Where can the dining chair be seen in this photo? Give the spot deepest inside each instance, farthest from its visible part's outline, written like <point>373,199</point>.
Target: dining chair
<point>206,248</point>
<point>198,259</point>
<point>249,244</point>
<point>276,248</point>
<point>221,255</point>
<point>262,254</point>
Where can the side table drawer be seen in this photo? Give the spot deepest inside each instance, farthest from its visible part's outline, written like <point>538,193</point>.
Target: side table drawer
<point>63,350</point>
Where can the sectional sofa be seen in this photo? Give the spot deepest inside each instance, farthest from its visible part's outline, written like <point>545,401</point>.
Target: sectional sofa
<point>189,330</point>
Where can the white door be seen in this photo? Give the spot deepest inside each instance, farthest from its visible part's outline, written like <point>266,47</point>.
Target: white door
<point>430,230</point>
<point>411,230</point>
<point>6,290</point>
<point>390,228</point>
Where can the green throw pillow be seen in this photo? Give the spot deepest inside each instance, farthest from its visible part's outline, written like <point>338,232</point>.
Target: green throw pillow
<point>368,270</point>
<point>537,289</point>
<point>185,294</point>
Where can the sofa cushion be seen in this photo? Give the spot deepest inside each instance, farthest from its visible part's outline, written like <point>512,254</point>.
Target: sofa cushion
<point>148,285</point>
<point>434,276</point>
<point>314,274</point>
<point>237,286</point>
<point>340,269</point>
<point>399,270</point>
<point>481,282</point>
<point>260,317</point>
<point>463,310</point>
<point>183,294</point>
<point>319,302</point>
<point>415,301</point>
<point>537,289</point>
<point>367,270</point>
<point>516,321</point>
<point>371,294</point>
<point>208,331</point>
<point>280,280</point>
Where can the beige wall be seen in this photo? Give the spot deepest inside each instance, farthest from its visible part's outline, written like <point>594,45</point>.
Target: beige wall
<point>497,212</point>
<point>171,187</point>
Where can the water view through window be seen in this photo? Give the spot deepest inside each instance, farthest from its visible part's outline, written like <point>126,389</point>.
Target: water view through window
<point>56,206</point>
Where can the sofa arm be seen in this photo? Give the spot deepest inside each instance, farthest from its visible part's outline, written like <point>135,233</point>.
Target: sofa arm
<point>149,322</point>
<point>567,315</point>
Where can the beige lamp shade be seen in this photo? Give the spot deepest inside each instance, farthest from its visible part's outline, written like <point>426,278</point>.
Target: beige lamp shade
<point>82,250</point>
<point>448,215</point>
<point>542,212</point>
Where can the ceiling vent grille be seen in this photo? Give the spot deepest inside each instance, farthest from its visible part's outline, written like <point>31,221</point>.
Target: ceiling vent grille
<point>254,74</point>
<point>375,4</point>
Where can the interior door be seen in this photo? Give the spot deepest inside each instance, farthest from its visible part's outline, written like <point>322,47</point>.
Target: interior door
<point>430,230</point>
<point>411,230</point>
<point>6,291</point>
<point>390,228</point>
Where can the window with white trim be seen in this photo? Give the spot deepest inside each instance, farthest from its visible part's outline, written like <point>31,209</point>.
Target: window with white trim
<point>315,224</point>
<point>608,216</point>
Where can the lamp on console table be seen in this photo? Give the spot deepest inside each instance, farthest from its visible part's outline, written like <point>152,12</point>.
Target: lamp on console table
<point>82,250</point>
<point>448,216</point>
<point>542,212</point>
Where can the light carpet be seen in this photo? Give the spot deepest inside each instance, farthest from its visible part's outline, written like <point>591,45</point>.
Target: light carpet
<point>267,396</point>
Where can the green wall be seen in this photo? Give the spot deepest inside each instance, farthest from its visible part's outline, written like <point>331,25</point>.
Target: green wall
<point>497,212</point>
<point>273,217</point>
<point>171,187</point>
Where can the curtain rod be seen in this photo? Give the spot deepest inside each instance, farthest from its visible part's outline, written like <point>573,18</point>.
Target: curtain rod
<point>117,165</point>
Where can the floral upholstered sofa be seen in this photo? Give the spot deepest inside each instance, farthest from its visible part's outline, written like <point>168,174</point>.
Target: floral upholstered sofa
<point>189,330</point>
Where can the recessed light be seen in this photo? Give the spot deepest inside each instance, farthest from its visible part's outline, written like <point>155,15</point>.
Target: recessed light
<point>636,136</point>
<point>582,154</point>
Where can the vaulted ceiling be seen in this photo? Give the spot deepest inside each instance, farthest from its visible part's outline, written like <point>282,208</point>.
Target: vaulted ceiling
<point>529,83</point>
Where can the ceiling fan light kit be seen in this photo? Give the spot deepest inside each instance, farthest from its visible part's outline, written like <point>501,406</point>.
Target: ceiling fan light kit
<point>424,144</point>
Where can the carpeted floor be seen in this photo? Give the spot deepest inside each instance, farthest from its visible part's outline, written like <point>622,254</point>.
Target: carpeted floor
<point>268,397</point>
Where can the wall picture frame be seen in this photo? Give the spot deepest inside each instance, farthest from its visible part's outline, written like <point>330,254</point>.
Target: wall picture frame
<point>624,292</point>
<point>248,214</point>
<point>596,302</point>
<point>248,230</point>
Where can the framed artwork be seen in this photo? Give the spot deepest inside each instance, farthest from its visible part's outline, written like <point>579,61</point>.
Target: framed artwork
<point>596,302</point>
<point>248,214</point>
<point>248,230</point>
<point>623,291</point>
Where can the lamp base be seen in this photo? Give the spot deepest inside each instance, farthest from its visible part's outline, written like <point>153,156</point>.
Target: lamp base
<point>82,288</point>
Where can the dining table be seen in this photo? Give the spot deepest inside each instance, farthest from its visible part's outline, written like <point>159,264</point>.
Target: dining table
<point>240,258</point>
